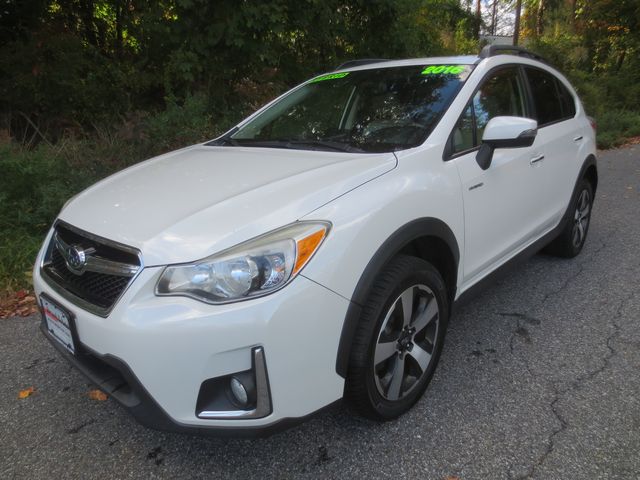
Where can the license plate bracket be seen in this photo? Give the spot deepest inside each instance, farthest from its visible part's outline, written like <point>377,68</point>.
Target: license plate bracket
<point>59,324</point>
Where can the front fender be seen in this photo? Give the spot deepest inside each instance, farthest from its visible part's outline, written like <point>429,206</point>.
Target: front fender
<point>422,197</point>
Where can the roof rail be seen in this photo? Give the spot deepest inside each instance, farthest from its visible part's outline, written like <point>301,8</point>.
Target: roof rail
<point>362,61</point>
<point>492,50</point>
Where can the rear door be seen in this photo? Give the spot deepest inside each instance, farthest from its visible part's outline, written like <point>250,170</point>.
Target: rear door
<point>501,211</point>
<point>557,143</point>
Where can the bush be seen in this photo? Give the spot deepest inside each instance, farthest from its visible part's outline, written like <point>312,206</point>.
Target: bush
<point>60,83</point>
<point>33,187</point>
<point>614,126</point>
<point>182,124</point>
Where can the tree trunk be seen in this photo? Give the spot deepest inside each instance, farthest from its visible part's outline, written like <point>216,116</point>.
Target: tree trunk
<point>516,25</point>
<point>120,6</point>
<point>478,17</point>
<point>574,20</point>
<point>88,23</point>
<point>621,60</point>
<point>494,17</point>
<point>540,18</point>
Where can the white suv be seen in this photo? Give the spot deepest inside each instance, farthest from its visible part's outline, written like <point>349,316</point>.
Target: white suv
<point>316,250</point>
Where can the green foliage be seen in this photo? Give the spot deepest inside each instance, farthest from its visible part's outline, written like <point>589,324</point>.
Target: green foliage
<point>17,253</point>
<point>33,187</point>
<point>614,126</point>
<point>182,123</point>
<point>60,82</point>
<point>80,64</point>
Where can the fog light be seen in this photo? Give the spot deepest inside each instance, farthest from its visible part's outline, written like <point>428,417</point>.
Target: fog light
<point>239,392</point>
<point>238,395</point>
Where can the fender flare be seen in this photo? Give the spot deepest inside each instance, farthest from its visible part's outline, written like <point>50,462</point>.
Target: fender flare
<point>590,161</point>
<point>413,230</point>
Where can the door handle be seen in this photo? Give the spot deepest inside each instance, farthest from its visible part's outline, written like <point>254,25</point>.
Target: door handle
<point>578,138</point>
<point>536,159</point>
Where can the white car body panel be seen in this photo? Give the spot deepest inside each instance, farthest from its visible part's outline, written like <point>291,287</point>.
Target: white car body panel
<point>422,186</point>
<point>503,197</point>
<point>195,202</point>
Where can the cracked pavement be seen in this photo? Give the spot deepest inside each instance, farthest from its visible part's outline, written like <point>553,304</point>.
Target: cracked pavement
<point>539,379</point>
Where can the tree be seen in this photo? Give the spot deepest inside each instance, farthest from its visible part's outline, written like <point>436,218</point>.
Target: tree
<point>516,27</point>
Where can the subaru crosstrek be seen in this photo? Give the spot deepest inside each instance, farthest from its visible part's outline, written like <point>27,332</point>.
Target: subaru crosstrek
<point>316,250</point>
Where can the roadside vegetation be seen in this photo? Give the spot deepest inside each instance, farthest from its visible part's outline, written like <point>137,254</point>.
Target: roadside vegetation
<point>89,87</point>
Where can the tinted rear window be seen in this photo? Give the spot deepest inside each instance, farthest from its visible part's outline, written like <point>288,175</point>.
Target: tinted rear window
<point>566,101</point>
<point>552,104</point>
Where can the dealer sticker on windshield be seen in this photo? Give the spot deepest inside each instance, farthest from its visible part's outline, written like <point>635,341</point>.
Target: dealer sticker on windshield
<point>443,70</point>
<point>330,76</point>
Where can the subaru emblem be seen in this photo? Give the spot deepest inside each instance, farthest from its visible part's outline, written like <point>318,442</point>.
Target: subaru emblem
<point>75,257</point>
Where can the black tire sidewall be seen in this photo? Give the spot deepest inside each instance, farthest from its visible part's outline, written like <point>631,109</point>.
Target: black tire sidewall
<point>575,250</point>
<point>411,271</point>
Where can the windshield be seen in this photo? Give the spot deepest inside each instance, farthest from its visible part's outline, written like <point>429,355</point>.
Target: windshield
<point>376,110</point>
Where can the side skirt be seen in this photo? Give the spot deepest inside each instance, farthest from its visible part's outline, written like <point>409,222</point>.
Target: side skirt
<point>503,270</point>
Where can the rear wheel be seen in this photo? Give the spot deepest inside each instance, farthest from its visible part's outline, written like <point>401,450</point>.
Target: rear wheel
<point>398,340</point>
<point>571,240</point>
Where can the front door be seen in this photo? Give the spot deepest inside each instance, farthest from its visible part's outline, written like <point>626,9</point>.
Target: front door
<point>500,204</point>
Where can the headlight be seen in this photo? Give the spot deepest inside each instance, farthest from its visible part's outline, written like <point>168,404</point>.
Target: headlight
<point>251,269</point>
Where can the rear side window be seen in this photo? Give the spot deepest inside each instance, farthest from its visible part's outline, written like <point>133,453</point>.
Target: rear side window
<point>566,101</point>
<point>551,99</point>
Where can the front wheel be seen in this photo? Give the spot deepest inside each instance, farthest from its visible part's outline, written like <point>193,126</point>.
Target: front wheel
<point>398,340</point>
<point>571,240</point>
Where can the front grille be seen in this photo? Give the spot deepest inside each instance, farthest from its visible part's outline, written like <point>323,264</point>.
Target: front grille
<point>97,285</point>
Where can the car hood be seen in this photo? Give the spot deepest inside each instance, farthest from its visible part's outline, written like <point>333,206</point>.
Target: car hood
<point>197,201</point>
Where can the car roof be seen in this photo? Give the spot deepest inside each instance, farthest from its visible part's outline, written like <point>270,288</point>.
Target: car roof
<point>370,64</point>
<point>488,51</point>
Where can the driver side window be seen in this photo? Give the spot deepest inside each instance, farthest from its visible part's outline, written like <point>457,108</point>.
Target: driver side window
<point>501,94</point>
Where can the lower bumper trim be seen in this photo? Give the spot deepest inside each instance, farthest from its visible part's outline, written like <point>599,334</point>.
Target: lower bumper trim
<point>114,377</point>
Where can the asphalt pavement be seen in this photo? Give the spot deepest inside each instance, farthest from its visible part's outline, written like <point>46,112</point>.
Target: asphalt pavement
<point>539,379</point>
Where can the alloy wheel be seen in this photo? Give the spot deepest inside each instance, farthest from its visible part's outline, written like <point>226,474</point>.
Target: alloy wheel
<point>406,342</point>
<point>581,218</point>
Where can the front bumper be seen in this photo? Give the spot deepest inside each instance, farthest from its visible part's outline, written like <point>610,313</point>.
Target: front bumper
<point>153,354</point>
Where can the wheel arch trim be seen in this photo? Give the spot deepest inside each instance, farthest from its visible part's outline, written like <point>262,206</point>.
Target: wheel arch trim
<point>422,227</point>
<point>589,163</point>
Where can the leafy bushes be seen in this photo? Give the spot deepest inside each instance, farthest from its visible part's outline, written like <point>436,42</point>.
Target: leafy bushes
<point>182,124</point>
<point>33,188</point>
<point>60,83</point>
<point>615,126</point>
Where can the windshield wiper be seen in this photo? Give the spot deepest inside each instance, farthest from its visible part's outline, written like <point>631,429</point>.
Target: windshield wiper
<point>225,139</point>
<point>338,146</point>
<point>289,144</point>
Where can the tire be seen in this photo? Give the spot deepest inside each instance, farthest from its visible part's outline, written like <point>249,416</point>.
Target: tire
<point>571,240</point>
<point>388,342</point>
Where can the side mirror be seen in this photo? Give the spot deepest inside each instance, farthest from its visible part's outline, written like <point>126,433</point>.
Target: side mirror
<point>505,132</point>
